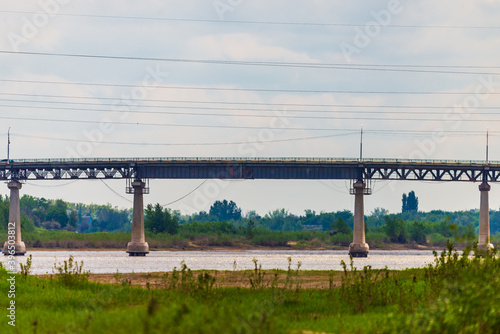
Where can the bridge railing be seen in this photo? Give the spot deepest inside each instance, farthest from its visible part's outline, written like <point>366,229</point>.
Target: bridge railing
<point>243,159</point>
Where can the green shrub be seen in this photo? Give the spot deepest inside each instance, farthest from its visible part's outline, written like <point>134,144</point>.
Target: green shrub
<point>341,239</point>
<point>70,273</point>
<point>270,239</point>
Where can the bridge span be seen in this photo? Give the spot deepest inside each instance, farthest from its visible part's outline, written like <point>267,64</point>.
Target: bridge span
<point>137,170</point>
<point>255,168</point>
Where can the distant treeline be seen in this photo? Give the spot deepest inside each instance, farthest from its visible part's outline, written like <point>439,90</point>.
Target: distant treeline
<point>226,218</point>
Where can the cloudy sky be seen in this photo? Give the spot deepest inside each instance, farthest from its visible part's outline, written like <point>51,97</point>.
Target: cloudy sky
<point>241,78</point>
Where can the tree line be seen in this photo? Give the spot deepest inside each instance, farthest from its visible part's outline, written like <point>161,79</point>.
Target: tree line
<point>410,225</point>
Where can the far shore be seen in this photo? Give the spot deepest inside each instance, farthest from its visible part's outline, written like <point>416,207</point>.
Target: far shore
<point>394,247</point>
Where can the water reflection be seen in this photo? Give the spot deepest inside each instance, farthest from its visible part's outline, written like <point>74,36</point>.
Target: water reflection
<point>111,261</point>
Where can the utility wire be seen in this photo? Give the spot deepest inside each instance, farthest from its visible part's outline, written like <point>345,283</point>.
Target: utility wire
<point>408,133</point>
<point>192,191</point>
<point>190,144</point>
<point>116,193</point>
<point>383,68</point>
<point>50,186</point>
<point>263,90</point>
<point>135,111</point>
<point>231,102</point>
<point>385,119</point>
<point>254,22</point>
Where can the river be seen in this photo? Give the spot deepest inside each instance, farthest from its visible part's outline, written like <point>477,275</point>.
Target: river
<point>113,261</point>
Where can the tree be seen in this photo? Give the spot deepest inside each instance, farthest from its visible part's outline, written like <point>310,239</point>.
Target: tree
<point>252,214</point>
<point>159,220</point>
<point>341,226</point>
<point>405,203</point>
<point>154,219</point>
<point>410,202</point>
<point>379,213</point>
<point>249,229</point>
<point>57,212</point>
<point>418,233</point>
<point>395,229</point>
<point>225,211</point>
<point>171,222</point>
<point>73,219</point>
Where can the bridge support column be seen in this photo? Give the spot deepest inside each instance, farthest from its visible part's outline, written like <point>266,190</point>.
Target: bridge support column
<point>484,218</point>
<point>138,246</point>
<point>358,247</point>
<point>14,245</point>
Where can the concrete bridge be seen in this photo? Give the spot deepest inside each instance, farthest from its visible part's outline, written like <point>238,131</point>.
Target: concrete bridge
<point>136,171</point>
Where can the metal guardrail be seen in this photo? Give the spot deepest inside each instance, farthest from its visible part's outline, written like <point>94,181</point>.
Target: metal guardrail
<point>260,159</point>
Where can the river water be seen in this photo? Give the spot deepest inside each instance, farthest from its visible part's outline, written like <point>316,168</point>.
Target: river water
<point>113,261</point>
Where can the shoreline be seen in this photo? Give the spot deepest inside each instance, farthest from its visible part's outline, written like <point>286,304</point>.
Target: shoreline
<point>389,247</point>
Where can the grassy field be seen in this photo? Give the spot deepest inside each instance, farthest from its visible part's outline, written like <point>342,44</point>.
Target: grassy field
<point>457,294</point>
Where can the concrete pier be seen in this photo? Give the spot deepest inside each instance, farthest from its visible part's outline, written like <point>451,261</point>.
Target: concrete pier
<point>14,244</point>
<point>359,247</point>
<point>138,246</point>
<point>484,218</point>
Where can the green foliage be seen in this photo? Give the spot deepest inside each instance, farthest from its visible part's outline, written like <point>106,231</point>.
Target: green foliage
<point>418,232</point>
<point>57,214</point>
<point>270,239</point>
<point>281,220</point>
<point>225,211</point>
<point>71,273</point>
<point>73,219</point>
<point>199,228</point>
<point>26,224</point>
<point>4,212</point>
<point>159,220</point>
<point>396,229</point>
<point>404,207</point>
<point>410,202</point>
<point>186,282</point>
<point>26,268</point>
<point>340,226</point>
<point>249,229</point>
<point>341,239</point>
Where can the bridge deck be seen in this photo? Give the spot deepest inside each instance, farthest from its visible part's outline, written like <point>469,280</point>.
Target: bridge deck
<point>246,168</point>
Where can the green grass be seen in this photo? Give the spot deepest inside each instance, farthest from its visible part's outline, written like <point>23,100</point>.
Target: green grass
<point>456,294</point>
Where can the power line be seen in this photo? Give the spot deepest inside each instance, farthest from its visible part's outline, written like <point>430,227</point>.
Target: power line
<point>50,186</point>
<point>362,67</point>
<point>230,102</point>
<point>254,22</point>
<point>190,113</point>
<point>188,144</point>
<point>189,193</point>
<point>263,90</point>
<point>382,132</point>
<point>385,119</point>
<point>116,193</point>
<point>232,109</point>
